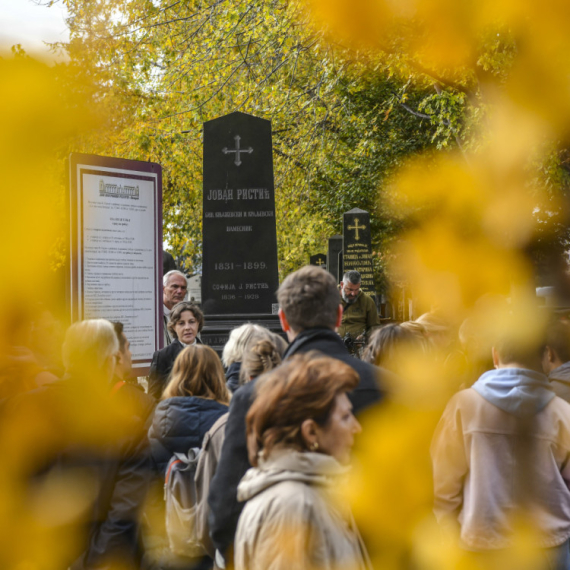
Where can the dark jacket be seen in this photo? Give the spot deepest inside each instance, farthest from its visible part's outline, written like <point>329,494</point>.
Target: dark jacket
<point>232,376</point>
<point>161,367</point>
<point>134,396</point>
<point>224,507</point>
<point>179,424</point>
<point>119,465</point>
<point>328,342</point>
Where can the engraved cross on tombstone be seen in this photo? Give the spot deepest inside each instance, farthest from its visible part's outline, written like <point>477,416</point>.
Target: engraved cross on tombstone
<point>237,150</point>
<point>356,227</point>
<point>320,260</point>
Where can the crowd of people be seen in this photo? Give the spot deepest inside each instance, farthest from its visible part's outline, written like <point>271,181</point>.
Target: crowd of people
<point>250,447</point>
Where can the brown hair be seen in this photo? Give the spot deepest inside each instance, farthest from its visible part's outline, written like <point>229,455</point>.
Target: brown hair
<point>258,357</point>
<point>198,372</point>
<point>385,345</point>
<point>309,298</point>
<point>304,387</point>
<point>176,314</point>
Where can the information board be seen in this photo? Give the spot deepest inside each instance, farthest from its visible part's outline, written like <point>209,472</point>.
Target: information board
<point>116,248</point>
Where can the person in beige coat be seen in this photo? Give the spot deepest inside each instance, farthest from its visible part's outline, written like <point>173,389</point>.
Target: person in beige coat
<point>502,448</point>
<point>300,432</point>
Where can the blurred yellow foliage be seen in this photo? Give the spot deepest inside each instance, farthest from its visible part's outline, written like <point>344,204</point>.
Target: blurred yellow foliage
<point>471,216</point>
<point>45,109</point>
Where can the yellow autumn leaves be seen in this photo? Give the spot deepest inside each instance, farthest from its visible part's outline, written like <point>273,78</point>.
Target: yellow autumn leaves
<point>473,214</point>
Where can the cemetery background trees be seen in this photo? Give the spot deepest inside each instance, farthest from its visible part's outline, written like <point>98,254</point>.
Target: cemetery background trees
<point>338,128</point>
<point>343,122</point>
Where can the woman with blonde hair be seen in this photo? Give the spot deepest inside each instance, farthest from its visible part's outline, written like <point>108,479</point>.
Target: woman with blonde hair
<point>261,356</point>
<point>235,348</point>
<point>193,400</point>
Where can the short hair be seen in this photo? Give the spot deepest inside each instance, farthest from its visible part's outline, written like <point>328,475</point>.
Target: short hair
<point>515,345</point>
<point>239,338</point>
<point>118,326</point>
<point>558,339</point>
<point>88,344</point>
<point>176,314</point>
<point>304,387</point>
<point>386,344</point>
<point>166,277</point>
<point>198,372</point>
<point>309,298</point>
<point>259,357</point>
<point>352,276</point>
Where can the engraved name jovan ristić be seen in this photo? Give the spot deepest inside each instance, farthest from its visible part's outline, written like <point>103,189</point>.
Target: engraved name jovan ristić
<point>239,263</point>
<point>237,150</point>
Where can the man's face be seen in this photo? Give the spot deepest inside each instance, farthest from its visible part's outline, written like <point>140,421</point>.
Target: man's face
<point>124,367</point>
<point>349,291</point>
<point>175,291</point>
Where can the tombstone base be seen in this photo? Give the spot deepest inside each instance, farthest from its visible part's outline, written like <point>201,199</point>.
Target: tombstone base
<point>217,328</point>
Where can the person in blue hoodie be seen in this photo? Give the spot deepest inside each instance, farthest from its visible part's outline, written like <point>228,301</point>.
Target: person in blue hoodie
<point>501,451</point>
<point>193,400</point>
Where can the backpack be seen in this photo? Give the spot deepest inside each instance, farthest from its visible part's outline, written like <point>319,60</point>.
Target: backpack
<point>181,504</point>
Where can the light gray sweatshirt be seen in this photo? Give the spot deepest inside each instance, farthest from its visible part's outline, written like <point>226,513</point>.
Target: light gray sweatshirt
<point>508,428</point>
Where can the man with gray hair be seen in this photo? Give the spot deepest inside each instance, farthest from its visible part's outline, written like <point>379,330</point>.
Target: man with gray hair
<point>174,287</point>
<point>359,313</point>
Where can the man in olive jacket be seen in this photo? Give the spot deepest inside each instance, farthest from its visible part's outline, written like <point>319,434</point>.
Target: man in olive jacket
<point>309,313</point>
<point>359,311</point>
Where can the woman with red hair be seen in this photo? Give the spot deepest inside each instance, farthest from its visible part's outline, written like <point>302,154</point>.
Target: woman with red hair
<point>300,433</point>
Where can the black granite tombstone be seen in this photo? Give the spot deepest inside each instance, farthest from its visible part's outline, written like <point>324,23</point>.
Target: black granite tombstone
<point>335,247</point>
<point>239,271</point>
<point>319,259</point>
<point>357,252</point>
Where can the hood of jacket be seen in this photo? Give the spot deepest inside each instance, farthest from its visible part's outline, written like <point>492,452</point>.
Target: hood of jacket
<point>561,374</point>
<point>181,423</point>
<point>517,391</point>
<point>290,465</point>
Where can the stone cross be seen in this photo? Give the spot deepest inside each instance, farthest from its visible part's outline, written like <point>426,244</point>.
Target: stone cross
<point>356,227</point>
<point>237,150</point>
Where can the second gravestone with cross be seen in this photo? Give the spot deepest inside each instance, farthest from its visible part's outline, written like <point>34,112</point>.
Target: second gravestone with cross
<point>319,259</point>
<point>239,269</point>
<point>357,251</point>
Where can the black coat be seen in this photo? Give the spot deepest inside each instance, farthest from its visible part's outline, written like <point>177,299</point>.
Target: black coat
<point>161,367</point>
<point>179,424</point>
<point>222,498</point>
<point>120,465</point>
<point>232,376</point>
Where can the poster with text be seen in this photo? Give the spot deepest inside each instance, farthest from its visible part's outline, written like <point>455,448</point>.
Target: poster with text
<point>116,248</point>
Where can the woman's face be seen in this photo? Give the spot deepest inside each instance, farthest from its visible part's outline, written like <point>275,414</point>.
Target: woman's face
<point>187,327</point>
<point>336,437</point>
